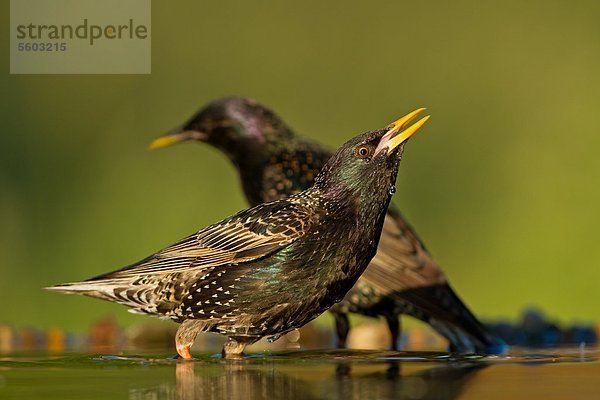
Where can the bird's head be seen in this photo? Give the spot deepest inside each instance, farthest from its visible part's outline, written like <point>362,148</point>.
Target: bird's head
<point>365,167</point>
<point>237,126</point>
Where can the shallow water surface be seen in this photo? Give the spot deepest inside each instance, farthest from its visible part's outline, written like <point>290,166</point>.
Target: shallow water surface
<point>339,374</point>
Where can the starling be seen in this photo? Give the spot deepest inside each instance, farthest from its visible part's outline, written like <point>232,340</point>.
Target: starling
<point>274,163</point>
<point>274,267</point>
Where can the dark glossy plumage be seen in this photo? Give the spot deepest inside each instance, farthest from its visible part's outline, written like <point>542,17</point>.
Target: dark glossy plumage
<point>271,268</point>
<point>274,163</point>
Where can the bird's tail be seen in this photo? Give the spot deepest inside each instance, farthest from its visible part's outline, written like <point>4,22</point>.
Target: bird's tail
<point>99,289</point>
<point>444,310</point>
<point>115,290</point>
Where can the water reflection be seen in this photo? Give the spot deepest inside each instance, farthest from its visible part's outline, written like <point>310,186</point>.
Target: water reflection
<point>337,380</point>
<point>438,382</point>
<point>327,374</point>
<point>235,380</point>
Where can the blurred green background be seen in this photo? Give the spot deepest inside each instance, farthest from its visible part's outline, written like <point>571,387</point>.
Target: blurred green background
<point>502,184</point>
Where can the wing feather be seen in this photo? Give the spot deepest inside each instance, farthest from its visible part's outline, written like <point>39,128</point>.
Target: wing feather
<point>248,235</point>
<point>401,262</point>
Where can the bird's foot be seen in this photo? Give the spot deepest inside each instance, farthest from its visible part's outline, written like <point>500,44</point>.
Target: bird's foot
<point>234,347</point>
<point>183,351</point>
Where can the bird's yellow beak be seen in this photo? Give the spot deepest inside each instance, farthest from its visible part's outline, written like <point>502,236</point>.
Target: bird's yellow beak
<point>175,137</point>
<point>396,136</point>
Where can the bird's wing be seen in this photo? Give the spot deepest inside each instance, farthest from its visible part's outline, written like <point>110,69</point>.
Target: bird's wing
<point>248,235</point>
<point>401,262</point>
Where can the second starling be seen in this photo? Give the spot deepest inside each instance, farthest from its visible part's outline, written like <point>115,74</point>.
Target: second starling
<point>274,267</point>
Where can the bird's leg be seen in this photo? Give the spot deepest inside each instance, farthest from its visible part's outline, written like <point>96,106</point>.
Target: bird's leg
<point>185,336</point>
<point>235,345</point>
<point>394,326</point>
<point>183,351</point>
<point>342,327</point>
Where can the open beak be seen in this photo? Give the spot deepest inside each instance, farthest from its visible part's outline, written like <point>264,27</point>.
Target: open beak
<point>395,135</point>
<point>175,137</point>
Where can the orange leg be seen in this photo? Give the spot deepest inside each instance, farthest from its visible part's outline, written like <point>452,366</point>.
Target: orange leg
<point>184,338</point>
<point>183,351</point>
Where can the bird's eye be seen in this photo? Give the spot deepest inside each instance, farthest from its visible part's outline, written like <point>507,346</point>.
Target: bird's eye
<point>363,152</point>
